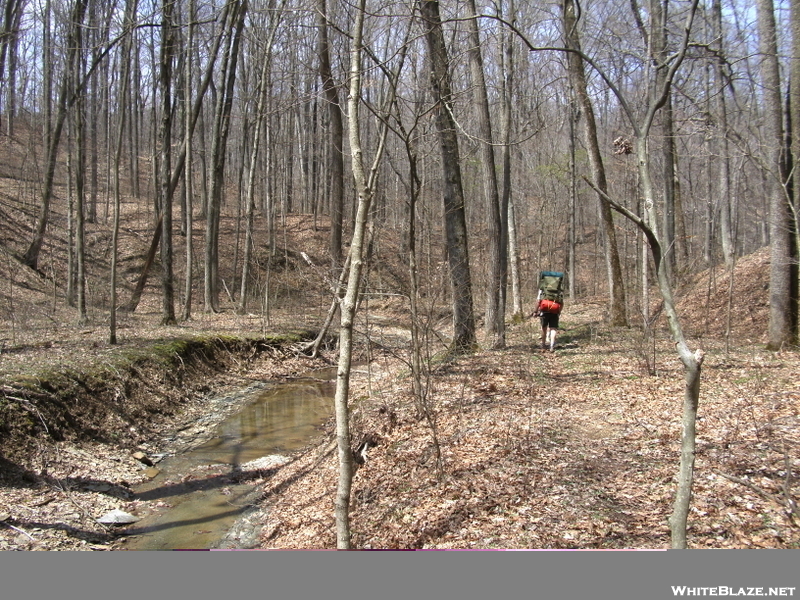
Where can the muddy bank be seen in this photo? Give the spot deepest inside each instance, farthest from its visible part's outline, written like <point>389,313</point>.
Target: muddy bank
<point>75,440</point>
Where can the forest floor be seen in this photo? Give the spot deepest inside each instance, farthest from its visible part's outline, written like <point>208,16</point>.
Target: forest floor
<point>577,448</point>
<point>573,449</point>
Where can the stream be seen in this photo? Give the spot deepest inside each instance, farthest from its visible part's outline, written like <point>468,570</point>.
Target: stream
<point>201,498</point>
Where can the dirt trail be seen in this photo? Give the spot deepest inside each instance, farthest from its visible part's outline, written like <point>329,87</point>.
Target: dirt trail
<point>576,449</point>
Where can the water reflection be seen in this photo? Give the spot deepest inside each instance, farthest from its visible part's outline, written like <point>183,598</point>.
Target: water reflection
<point>203,487</point>
<point>281,419</point>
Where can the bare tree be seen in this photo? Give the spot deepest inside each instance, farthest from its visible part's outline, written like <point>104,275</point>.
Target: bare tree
<point>262,94</point>
<point>76,71</point>
<point>365,188</point>
<point>188,175</point>
<point>725,227</point>
<point>165,79</point>
<point>9,48</point>
<point>222,121</point>
<point>455,219</point>
<point>648,223</point>
<point>66,98</point>
<point>782,323</point>
<point>508,211</point>
<point>794,118</point>
<point>657,91</point>
<point>124,84</point>
<point>336,135</point>
<point>497,260</point>
<point>577,77</point>
<point>178,169</point>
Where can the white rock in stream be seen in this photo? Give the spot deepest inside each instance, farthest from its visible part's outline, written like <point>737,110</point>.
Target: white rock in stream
<point>265,462</point>
<point>117,517</point>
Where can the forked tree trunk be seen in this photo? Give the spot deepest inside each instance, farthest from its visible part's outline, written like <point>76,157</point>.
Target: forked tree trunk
<point>365,188</point>
<point>648,224</point>
<point>350,300</point>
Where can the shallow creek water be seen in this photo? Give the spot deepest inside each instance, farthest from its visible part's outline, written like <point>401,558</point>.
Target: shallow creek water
<point>195,497</point>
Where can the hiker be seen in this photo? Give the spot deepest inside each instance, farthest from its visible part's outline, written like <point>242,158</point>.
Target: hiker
<point>548,306</point>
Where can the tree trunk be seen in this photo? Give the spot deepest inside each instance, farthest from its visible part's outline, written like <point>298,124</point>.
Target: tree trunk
<point>507,202</point>
<point>31,257</point>
<point>47,72</point>
<point>188,180</point>
<point>657,46</point>
<point>181,159</point>
<point>136,119</point>
<point>616,287</point>
<point>80,211</point>
<point>76,73</point>
<point>218,155</point>
<point>668,152</point>
<point>262,93</point>
<point>165,76</point>
<point>124,84</point>
<point>782,325</point>
<point>454,215</point>
<point>725,228</point>
<point>498,258</point>
<point>648,224</point>
<point>350,300</point>
<point>9,48</point>
<point>573,197</point>
<point>336,139</point>
<point>795,151</point>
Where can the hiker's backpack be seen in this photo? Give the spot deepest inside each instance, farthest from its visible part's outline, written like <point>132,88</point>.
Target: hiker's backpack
<point>551,292</point>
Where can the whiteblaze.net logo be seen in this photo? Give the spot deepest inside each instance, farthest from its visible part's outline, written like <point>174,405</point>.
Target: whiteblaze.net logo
<point>723,590</point>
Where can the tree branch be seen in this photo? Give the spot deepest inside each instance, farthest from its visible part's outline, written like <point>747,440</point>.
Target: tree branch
<point>652,239</point>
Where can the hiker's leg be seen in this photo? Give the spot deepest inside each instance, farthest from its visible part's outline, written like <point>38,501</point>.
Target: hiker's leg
<point>551,337</point>
<point>552,332</point>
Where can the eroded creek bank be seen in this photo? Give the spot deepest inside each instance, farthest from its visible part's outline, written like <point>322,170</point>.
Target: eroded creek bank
<point>70,437</point>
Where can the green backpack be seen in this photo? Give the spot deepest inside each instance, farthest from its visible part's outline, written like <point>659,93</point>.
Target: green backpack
<point>551,285</point>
